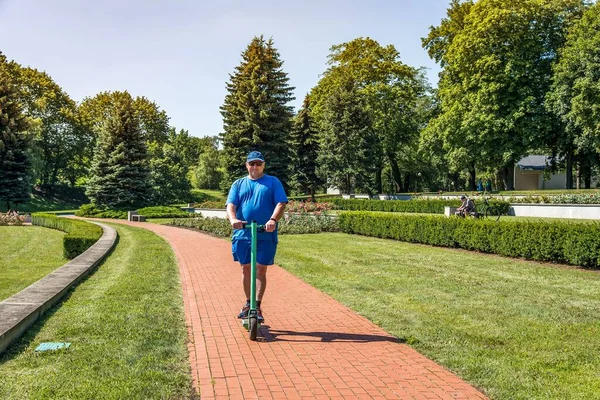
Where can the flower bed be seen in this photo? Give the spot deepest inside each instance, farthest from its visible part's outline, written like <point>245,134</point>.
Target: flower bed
<point>12,218</point>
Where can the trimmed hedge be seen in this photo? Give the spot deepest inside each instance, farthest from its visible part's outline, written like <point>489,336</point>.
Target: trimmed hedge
<point>292,224</point>
<point>556,241</point>
<point>213,225</point>
<point>93,211</point>
<point>80,234</point>
<point>571,198</point>
<point>211,205</point>
<point>428,206</point>
<point>164,212</point>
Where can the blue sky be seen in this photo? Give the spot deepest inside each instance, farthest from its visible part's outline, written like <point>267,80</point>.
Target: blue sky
<point>179,54</point>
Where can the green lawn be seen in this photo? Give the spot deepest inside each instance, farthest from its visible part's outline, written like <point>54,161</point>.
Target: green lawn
<point>27,253</point>
<point>201,195</point>
<point>126,327</point>
<point>516,329</point>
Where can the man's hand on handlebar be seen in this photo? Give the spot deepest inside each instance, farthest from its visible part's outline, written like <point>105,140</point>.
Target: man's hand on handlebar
<point>237,224</point>
<point>270,225</point>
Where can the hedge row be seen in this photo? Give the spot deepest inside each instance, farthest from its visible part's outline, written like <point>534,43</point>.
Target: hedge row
<point>428,206</point>
<point>294,224</point>
<point>93,211</point>
<point>576,198</point>
<point>556,241</point>
<point>164,212</point>
<point>80,234</point>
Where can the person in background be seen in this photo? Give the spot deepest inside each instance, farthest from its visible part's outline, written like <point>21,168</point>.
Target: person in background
<point>466,208</point>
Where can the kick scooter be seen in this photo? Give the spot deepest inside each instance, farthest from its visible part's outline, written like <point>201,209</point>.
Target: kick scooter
<point>251,322</point>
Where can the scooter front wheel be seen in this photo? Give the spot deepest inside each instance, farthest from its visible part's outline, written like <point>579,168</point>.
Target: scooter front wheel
<point>253,327</point>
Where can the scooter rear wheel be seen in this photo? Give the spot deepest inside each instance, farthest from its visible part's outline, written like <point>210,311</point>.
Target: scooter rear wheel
<point>253,327</point>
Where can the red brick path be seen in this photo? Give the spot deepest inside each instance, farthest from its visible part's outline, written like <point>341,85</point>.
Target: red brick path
<point>310,347</point>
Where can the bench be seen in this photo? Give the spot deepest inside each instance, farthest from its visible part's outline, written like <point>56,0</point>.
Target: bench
<point>138,218</point>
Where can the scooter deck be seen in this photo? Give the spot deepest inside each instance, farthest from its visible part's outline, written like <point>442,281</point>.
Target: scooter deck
<point>246,324</point>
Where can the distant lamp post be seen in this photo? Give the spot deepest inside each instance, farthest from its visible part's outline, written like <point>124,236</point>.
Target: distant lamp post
<point>417,183</point>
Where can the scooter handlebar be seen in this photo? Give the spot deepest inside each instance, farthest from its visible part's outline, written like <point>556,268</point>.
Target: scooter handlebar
<point>246,225</point>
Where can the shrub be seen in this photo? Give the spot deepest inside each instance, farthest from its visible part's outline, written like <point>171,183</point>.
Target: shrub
<point>211,205</point>
<point>307,223</point>
<point>216,226</point>
<point>94,211</point>
<point>308,206</point>
<point>580,198</point>
<point>422,206</point>
<point>164,212</point>
<point>80,234</point>
<point>556,241</point>
<point>291,224</point>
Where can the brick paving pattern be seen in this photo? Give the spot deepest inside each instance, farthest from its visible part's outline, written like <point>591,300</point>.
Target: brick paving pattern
<point>310,347</point>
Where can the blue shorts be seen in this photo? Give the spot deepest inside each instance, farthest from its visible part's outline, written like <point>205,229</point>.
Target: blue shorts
<point>265,251</point>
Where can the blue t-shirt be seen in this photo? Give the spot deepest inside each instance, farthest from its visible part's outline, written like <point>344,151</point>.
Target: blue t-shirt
<point>255,200</point>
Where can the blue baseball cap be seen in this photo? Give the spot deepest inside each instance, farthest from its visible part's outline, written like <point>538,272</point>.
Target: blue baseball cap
<point>255,156</point>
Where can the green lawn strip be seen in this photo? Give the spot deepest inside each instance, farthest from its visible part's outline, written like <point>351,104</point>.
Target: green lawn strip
<point>27,253</point>
<point>126,327</point>
<point>515,329</point>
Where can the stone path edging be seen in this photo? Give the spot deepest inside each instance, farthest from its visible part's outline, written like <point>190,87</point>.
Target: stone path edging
<point>19,312</point>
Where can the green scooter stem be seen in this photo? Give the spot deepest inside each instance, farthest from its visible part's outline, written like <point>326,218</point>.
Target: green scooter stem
<point>254,230</point>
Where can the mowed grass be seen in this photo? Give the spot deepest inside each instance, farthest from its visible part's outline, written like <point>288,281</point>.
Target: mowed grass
<point>126,327</point>
<point>515,329</point>
<point>27,253</point>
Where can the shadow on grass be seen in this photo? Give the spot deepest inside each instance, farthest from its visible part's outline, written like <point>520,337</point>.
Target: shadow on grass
<point>271,335</point>
<point>21,344</point>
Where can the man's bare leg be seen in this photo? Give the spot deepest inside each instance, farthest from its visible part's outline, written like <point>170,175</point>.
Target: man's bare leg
<point>261,277</point>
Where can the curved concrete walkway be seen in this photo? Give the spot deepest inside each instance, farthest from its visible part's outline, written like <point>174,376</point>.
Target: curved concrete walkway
<point>312,347</point>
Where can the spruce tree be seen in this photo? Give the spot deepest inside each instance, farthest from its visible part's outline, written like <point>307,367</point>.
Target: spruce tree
<point>15,165</point>
<point>119,174</point>
<point>305,144</point>
<point>255,113</point>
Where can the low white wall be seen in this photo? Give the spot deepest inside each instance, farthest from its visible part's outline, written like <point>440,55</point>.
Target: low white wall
<point>582,211</point>
<point>211,213</point>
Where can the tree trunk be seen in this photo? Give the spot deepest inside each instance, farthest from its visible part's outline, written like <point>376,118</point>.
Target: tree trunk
<point>396,173</point>
<point>312,194</point>
<point>569,170</point>
<point>407,182</point>
<point>472,177</point>
<point>587,176</point>
<point>454,181</point>
<point>378,183</point>
<point>507,177</point>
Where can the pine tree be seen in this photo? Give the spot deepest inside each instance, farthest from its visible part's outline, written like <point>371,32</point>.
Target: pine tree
<point>15,165</point>
<point>305,144</point>
<point>119,174</point>
<point>255,113</point>
<point>348,143</point>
